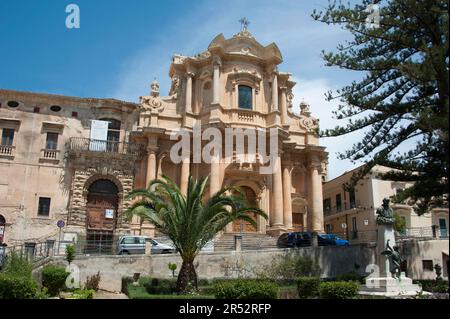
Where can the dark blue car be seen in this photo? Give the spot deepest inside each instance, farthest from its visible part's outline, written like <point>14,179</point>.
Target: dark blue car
<point>304,239</point>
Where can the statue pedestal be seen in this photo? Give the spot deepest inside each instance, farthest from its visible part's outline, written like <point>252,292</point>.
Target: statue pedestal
<point>384,233</point>
<point>389,287</point>
<point>382,283</point>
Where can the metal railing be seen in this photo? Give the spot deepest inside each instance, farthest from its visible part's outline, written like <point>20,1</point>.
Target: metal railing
<point>432,232</point>
<point>33,252</point>
<point>80,144</point>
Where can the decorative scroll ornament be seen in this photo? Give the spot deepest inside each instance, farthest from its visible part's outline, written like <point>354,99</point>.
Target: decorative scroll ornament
<point>308,123</point>
<point>152,102</point>
<point>178,59</point>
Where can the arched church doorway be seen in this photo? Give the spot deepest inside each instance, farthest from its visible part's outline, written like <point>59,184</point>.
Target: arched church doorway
<point>241,225</point>
<point>101,213</point>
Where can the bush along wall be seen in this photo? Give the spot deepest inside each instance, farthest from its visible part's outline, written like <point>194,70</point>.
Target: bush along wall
<point>54,279</point>
<point>338,290</point>
<point>245,289</point>
<point>308,287</point>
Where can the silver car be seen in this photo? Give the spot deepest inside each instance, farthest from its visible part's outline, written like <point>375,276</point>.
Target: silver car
<point>130,244</point>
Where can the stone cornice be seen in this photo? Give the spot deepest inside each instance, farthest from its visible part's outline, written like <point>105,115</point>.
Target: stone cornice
<point>62,99</point>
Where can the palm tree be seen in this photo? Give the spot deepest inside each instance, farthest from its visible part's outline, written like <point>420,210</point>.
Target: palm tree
<point>188,220</point>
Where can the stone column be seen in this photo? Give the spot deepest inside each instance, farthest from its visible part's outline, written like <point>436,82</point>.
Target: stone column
<point>287,200</point>
<point>185,170</point>
<point>151,165</point>
<point>275,93</point>
<point>216,82</point>
<point>284,117</point>
<point>316,198</point>
<point>277,195</point>
<point>189,76</point>
<point>214,182</point>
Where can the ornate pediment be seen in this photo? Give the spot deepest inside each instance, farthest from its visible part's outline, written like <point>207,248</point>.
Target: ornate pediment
<point>243,71</point>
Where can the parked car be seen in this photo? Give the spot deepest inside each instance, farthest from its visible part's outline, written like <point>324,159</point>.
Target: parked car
<point>304,239</point>
<point>129,244</point>
<point>334,239</point>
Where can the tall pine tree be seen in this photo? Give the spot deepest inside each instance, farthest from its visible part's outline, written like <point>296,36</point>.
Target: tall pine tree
<point>402,48</point>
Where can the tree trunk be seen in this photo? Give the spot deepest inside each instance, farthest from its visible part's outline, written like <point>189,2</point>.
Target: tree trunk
<point>187,275</point>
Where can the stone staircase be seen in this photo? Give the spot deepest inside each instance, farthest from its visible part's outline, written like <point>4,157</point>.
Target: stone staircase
<point>250,241</point>
<point>226,242</point>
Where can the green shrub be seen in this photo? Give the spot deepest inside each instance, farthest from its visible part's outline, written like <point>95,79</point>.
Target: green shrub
<point>436,286</point>
<point>290,266</point>
<point>92,282</point>
<point>161,286</point>
<point>13,286</point>
<point>350,276</point>
<point>54,279</point>
<point>17,265</point>
<point>83,294</point>
<point>70,253</point>
<point>338,290</point>
<point>246,289</point>
<point>203,282</point>
<point>42,294</point>
<point>308,287</point>
<point>144,281</point>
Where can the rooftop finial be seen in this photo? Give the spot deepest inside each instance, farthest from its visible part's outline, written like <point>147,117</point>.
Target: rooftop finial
<point>244,24</point>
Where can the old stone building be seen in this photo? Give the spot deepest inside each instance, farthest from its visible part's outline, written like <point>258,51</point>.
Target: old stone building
<point>53,167</point>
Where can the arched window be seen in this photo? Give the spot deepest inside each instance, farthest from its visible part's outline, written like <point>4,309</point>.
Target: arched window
<point>245,97</point>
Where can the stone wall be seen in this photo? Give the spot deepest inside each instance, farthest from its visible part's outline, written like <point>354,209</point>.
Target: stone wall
<point>416,251</point>
<point>332,260</point>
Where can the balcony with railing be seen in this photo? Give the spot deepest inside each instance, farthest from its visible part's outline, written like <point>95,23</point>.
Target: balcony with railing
<point>7,151</point>
<point>432,232</point>
<point>87,146</point>
<point>49,155</point>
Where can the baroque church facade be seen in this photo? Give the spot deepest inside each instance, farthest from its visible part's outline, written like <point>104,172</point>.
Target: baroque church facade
<point>52,169</point>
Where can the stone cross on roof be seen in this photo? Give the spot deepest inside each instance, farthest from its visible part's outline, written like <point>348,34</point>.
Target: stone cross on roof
<point>244,24</point>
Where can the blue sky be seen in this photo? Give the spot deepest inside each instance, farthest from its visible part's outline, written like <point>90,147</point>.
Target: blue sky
<point>122,46</point>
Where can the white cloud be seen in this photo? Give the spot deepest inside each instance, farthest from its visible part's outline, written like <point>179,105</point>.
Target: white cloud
<point>313,92</point>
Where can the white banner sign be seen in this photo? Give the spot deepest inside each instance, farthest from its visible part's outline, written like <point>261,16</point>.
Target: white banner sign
<point>99,135</point>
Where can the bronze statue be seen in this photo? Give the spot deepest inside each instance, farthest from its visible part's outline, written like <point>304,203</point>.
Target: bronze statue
<point>395,260</point>
<point>385,215</point>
